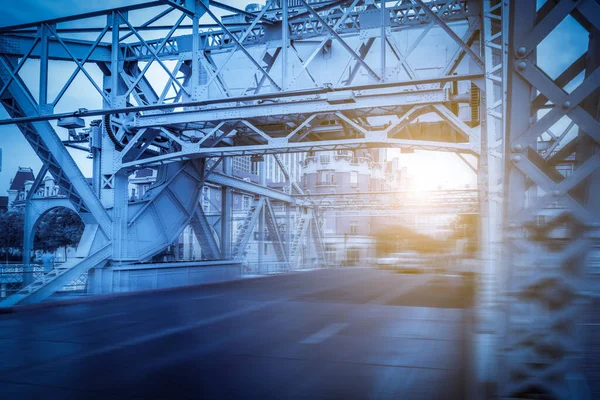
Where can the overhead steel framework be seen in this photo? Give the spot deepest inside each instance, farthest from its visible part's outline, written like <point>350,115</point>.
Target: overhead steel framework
<point>183,90</point>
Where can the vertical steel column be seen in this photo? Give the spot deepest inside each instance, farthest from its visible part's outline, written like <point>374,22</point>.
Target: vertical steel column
<point>288,233</point>
<point>43,95</point>
<point>587,146</point>
<point>226,211</point>
<point>120,215</point>
<point>262,176</point>
<point>120,180</point>
<point>96,146</point>
<point>522,20</point>
<point>196,65</point>
<point>285,44</point>
<point>384,20</point>
<point>114,59</point>
<point>545,260</point>
<point>490,171</point>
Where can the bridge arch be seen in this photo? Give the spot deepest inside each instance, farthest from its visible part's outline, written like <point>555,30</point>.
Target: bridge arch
<point>35,210</point>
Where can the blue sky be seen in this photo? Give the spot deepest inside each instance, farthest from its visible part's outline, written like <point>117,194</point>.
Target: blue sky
<point>567,42</point>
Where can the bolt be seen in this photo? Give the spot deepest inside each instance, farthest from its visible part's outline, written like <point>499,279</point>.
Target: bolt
<point>522,65</point>
<point>516,158</point>
<point>556,193</point>
<point>521,51</point>
<point>512,225</point>
<point>517,147</point>
<point>566,105</point>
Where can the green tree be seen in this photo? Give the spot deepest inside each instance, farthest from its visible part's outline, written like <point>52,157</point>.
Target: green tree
<point>59,228</point>
<point>11,232</point>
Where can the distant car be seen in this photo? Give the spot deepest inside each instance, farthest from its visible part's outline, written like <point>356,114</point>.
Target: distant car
<point>388,262</point>
<point>411,262</point>
<point>405,262</point>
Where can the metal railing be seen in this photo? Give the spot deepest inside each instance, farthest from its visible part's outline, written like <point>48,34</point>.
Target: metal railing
<point>13,277</point>
<point>251,268</point>
<point>254,268</point>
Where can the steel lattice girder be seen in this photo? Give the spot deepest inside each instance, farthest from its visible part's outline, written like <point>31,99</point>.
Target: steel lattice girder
<point>301,28</point>
<point>541,341</point>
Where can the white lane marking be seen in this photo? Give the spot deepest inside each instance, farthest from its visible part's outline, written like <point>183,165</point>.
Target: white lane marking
<point>325,333</point>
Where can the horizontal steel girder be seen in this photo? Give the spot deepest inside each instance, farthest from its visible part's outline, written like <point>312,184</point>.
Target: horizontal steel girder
<point>307,27</point>
<point>365,99</point>
<point>375,142</point>
<point>250,187</point>
<point>301,28</point>
<point>82,113</point>
<point>14,45</point>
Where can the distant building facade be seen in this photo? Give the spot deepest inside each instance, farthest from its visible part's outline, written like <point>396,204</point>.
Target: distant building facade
<point>21,184</point>
<point>348,241</point>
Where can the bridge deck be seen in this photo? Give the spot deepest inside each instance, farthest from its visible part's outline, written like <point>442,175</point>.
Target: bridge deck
<point>344,333</point>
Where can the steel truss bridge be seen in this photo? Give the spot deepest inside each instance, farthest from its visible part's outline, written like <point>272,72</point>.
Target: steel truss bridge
<point>296,77</point>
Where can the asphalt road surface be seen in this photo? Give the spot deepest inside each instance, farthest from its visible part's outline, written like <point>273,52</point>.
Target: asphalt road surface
<point>351,333</point>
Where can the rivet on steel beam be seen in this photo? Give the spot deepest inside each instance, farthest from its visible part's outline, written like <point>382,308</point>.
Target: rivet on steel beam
<point>517,147</point>
<point>515,158</point>
<point>521,51</point>
<point>522,65</point>
<point>556,193</point>
<point>566,105</point>
<point>512,225</point>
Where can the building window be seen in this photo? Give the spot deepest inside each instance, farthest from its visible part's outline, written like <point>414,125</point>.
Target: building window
<point>326,177</point>
<point>353,227</point>
<point>324,158</point>
<point>206,198</point>
<point>354,178</point>
<point>245,202</point>
<point>541,220</point>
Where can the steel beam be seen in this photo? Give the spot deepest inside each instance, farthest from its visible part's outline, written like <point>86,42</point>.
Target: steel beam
<point>366,99</point>
<point>204,235</point>
<point>542,343</point>
<point>53,153</point>
<point>226,206</point>
<point>242,99</point>
<point>218,178</point>
<point>18,46</point>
